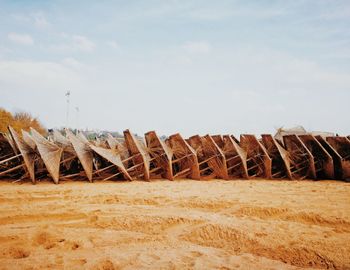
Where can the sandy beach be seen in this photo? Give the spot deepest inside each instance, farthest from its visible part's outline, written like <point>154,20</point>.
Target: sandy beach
<point>255,224</point>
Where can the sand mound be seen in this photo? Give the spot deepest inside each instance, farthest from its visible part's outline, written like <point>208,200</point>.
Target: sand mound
<point>290,215</point>
<point>175,225</point>
<point>239,242</point>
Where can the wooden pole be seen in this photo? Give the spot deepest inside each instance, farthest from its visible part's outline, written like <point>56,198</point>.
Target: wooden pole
<point>181,158</point>
<point>182,172</point>
<point>109,177</point>
<point>12,169</point>
<point>8,159</point>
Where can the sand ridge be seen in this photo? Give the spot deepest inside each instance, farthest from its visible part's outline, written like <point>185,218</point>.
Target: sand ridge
<point>175,225</point>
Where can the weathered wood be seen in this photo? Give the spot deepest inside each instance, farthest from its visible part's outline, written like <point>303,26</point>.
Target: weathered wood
<point>259,158</point>
<point>323,160</point>
<point>342,146</point>
<point>298,153</point>
<point>140,156</point>
<point>279,156</point>
<point>184,159</point>
<point>160,154</point>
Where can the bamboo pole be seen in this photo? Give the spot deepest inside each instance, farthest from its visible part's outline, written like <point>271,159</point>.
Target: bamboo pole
<point>8,159</point>
<point>234,166</point>
<point>155,169</point>
<point>103,169</point>
<point>232,158</point>
<point>133,167</point>
<point>205,169</point>
<point>182,172</point>
<point>298,170</point>
<point>12,169</point>
<point>71,175</point>
<point>204,161</point>
<point>181,158</point>
<point>109,177</point>
<point>127,159</point>
<point>5,156</point>
<point>253,167</point>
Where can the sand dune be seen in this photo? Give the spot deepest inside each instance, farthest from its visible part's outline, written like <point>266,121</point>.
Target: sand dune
<point>175,225</point>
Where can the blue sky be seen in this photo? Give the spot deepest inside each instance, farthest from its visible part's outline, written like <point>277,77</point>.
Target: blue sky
<point>178,66</point>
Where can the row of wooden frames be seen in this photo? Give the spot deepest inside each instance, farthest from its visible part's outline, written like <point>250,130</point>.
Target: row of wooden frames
<point>29,155</point>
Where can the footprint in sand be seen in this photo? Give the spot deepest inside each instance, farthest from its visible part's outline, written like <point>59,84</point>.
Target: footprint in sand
<point>17,253</point>
<point>105,264</point>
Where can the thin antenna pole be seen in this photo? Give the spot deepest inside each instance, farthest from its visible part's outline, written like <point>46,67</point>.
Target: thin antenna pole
<point>68,103</point>
<point>77,110</point>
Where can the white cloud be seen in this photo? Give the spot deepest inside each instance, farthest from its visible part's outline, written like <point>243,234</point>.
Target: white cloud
<point>37,74</point>
<point>74,43</point>
<point>197,47</point>
<point>40,21</point>
<point>39,87</point>
<point>23,39</point>
<point>220,11</point>
<point>83,43</point>
<point>72,62</point>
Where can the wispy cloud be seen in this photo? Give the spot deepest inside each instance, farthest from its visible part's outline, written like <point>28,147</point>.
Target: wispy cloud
<point>40,21</point>
<point>23,39</point>
<point>83,43</point>
<point>197,47</point>
<point>275,59</point>
<point>73,63</point>
<point>220,12</point>
<point>74,43</point>
<point>113,44</point>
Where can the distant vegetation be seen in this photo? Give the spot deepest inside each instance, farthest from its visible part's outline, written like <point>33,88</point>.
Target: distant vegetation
<point>19,120</point>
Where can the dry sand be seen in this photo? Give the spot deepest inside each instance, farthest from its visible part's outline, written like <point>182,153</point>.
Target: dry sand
<point>175,225</point>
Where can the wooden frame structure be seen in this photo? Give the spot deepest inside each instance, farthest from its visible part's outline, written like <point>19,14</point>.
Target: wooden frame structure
<point>236,157</point>
<point>99,163</point>
<point>113,143</point>
<point>280,166</point>
<point>211,160</point>
<point>83,152</point>
<point>323,161</point>
<point>337,159</point>
<point>32,156</point>
<point>184,159</point>
<point>71,161</point>
<point>218,162</point>
<point>50,153</point>
<point>342,146</point>
<point>160,157</point>
<point>139,159</point>
<point>11,164</point>
<point>302,164</point>
<point>258,161</point>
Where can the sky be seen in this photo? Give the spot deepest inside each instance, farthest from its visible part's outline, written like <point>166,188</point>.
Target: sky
<point>193,67</point>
